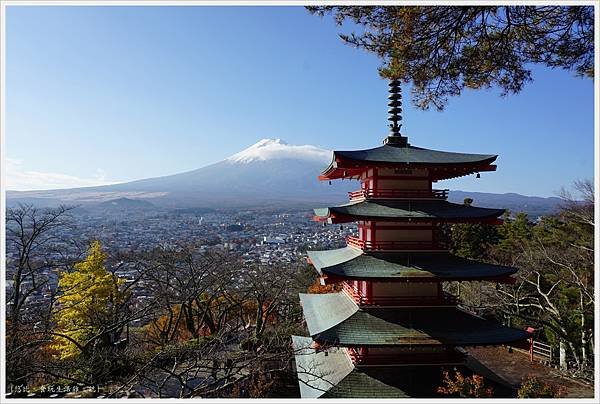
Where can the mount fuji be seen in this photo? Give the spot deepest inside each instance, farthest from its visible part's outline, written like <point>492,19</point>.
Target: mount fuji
<point>270,172</point>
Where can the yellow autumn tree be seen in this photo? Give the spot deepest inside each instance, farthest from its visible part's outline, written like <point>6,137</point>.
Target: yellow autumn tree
<point>86,314</point>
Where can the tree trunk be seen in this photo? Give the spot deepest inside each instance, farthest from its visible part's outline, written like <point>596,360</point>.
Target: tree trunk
<point>583,332</point>
<point>189,319</point>
<point>215,369</point>
<point>562,355</point>
<point>575,354</point>
<point>259,320</point>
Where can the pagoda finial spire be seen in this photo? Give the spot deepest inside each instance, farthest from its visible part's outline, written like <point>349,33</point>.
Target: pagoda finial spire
<point>395,138</point>
<point>395,104</point>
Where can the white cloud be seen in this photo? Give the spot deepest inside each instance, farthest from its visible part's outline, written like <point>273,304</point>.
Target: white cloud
<point>19,179</point>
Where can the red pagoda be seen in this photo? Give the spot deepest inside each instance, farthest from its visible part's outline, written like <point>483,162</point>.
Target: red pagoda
<point>392,329</point>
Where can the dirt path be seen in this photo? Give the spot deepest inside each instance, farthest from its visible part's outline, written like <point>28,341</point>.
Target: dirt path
<point>515,367</point>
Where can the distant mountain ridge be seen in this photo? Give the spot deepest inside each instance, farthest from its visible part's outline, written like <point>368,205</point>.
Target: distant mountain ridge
<point>534,206</point>
<point>270,173</point>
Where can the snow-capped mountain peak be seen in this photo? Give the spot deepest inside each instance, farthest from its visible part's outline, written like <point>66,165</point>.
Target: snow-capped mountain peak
<point>272,149</point>
<point>267,142</point>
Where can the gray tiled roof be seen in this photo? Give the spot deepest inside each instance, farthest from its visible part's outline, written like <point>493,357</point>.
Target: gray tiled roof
<point>367,383</point>
<point>400,325</point>
<point>329,373</point>
<point>337,310</point>
<point>402,209</point>
<point>352,263</point>
<point>333,374</point>
<point>317,371</point>
<point>414,155</point>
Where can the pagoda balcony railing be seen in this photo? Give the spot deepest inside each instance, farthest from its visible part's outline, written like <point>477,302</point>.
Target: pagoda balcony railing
<point>399,194</point>
<point>370,246</point>
<point>445,299</point>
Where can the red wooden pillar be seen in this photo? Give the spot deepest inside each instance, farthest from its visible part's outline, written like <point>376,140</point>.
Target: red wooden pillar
<point>374,183</point>
<point>373,234</point>
<point>531,331</point>
<point>531,348</point>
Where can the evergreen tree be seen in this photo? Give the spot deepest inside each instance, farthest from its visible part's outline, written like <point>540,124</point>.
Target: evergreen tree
<point>443,50</point>
<point>472,240</point>
<point>513,235</point>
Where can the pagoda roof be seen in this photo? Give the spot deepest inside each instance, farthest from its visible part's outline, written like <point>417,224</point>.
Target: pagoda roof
<point>352,263</point>
<point>406,156</point>
<point>413,155</point>
<point>329,373</point>
<point>333,318</point>
<point>403,210</point>
<point>370,383</point>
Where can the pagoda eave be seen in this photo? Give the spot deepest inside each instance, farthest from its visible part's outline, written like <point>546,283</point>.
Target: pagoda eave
<point>334,218</point>
<point>345,168</point>
<point>351,264</point>
<point>333,279</point>
<point>422,343</point>
<point>415,211</point>
<point>336,320</point>
<point>439,174</point>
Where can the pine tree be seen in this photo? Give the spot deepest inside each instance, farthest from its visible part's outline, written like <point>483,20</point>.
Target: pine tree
<point>443,50</point>
<point>472,240</point>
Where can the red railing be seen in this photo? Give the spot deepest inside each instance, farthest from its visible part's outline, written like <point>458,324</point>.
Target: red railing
<point>399,194</point>
<point>445,299</point>
<point>394,245</point>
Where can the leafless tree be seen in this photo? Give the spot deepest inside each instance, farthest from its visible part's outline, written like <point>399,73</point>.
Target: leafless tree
<point>38,241</point>
<point>219,328</point>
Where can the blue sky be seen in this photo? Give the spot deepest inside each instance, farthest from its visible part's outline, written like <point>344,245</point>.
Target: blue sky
<point>109,94</point>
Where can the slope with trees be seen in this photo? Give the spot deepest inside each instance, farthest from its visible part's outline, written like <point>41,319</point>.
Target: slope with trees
<point>554,288</point>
